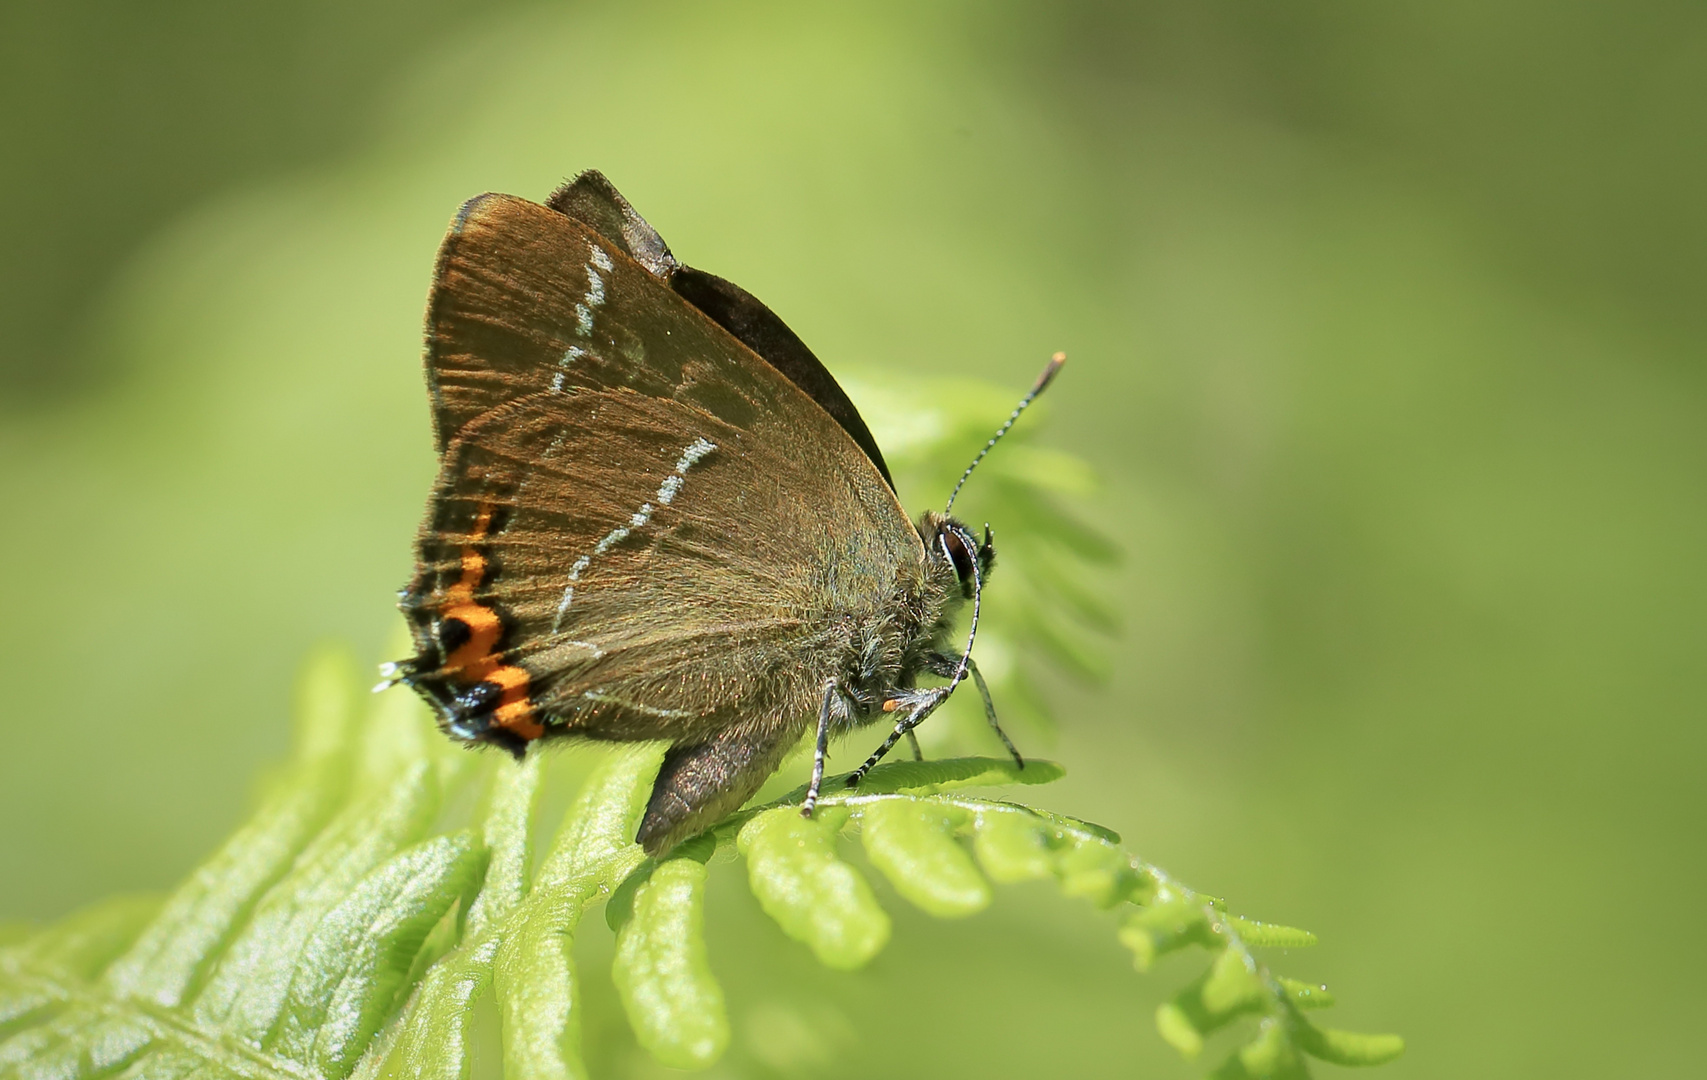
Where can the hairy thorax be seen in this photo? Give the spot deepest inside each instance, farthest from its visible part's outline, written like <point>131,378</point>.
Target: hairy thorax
<point>888,645</point>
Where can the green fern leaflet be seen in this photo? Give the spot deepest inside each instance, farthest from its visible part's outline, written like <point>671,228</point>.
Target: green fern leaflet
<point>345,931</point>
<point>385,891</point>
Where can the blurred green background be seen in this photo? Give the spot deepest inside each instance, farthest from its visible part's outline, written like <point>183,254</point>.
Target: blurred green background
<point>1387,329</point>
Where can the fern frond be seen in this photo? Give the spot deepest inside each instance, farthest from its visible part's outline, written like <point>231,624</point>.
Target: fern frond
<point>386,886</point>
<point>351,925</point>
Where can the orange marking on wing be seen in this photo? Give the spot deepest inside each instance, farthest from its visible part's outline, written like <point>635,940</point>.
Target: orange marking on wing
<point>484,628</point>
<point>475,660</point>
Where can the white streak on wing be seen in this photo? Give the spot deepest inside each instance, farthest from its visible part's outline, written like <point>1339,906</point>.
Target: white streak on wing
<point>595,292</point>
<point>569,593</point>
<point>570,355</point>
<point>648,710</point>
<point>690,457</point>
<point>641,517</point>
<point>612,538</point>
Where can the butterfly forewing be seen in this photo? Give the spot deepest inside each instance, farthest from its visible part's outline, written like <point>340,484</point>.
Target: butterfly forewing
<point>640,529</point>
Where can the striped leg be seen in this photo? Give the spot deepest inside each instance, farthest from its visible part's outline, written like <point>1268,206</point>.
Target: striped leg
<point>818,750</point>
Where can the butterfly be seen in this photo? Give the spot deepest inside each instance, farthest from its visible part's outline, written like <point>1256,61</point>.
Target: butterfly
<point>658,517</point>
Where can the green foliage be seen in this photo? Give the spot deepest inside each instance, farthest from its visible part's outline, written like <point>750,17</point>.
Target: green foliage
<point>383,887</point>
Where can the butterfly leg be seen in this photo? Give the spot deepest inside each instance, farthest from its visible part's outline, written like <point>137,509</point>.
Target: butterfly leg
<point>913,741</point>
<point>944,665</point>
<point>830,691</point>
<point>990,713</point>
<point>902,727</point>
<point>923,704</point>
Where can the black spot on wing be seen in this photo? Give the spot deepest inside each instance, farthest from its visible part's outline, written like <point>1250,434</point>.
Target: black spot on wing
<point>453,635</point>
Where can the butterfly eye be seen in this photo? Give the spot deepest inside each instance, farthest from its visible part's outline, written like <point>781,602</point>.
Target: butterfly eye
<point>959,553</point>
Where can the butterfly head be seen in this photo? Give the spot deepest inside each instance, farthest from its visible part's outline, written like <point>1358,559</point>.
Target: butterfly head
<point>951,545</point>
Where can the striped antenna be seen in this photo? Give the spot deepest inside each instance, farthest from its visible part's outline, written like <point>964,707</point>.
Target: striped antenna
<point>1037,388</point>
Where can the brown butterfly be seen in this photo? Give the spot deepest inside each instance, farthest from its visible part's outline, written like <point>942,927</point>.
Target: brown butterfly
<point>658,517</point>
